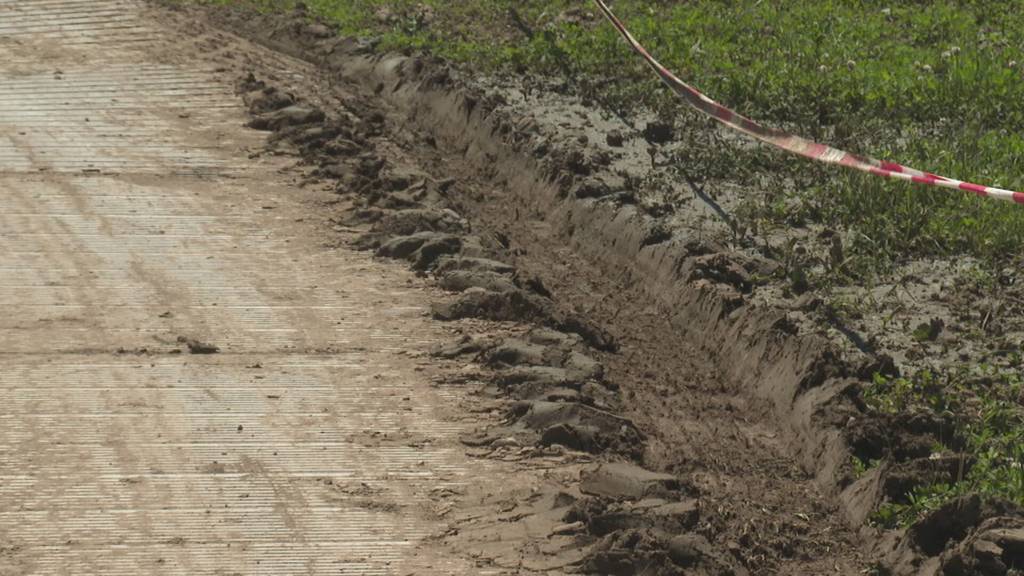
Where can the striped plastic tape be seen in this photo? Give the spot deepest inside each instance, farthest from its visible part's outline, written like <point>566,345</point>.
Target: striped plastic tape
<point>796,144</point>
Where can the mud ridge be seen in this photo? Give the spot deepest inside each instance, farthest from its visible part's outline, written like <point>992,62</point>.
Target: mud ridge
<point>559,396</point>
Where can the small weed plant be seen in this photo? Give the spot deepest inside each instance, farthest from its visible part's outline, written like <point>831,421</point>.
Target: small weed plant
<point>988,409</point>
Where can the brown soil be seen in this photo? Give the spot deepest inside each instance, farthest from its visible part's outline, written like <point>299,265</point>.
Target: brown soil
<point>725,425</point>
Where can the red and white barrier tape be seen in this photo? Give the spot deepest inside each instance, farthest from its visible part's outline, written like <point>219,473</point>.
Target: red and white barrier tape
<point>796,144</point>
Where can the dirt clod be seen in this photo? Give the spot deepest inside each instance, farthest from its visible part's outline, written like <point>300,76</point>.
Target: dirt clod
<point>658,132</point>
<point>500,306</point>
<point>687,550</point>
<point>615,139</point>
<point>198,346</point>
<point>624,481</point>
<point>462,280</point>
<point>469,264</point>
<point>294,115</point>
<point>581,427</point>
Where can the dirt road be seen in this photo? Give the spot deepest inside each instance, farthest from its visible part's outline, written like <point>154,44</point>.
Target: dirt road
<point>192,382</point>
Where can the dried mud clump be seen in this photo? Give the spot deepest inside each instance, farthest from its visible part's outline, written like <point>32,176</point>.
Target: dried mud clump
<point>965,537</point>
<point>561,395</point>
<point>643,522</point>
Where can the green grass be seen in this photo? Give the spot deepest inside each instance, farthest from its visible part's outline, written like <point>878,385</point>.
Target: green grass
<point>987,408</point>
<point>939,86</point>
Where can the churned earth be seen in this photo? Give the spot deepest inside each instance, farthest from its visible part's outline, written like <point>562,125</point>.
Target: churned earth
<point>814,435</point>
<point>721,492</point>
<point>627,384</point>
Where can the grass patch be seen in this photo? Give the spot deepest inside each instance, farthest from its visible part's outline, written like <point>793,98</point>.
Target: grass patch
<point>988,411</point>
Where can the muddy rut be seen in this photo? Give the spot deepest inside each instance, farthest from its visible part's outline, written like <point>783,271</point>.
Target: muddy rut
<point>442,179</point>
